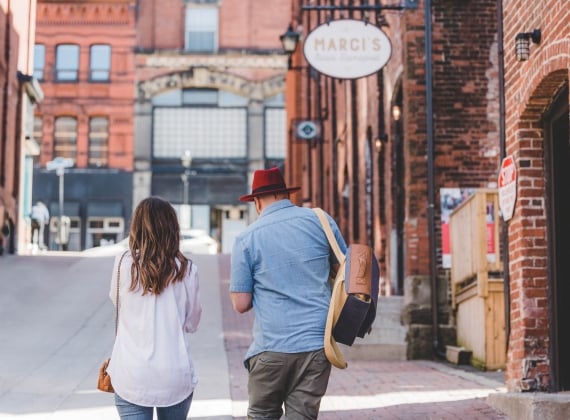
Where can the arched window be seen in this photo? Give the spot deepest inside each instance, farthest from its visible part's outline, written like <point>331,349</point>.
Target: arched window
<point>98,141</point>
<point>65,137</point>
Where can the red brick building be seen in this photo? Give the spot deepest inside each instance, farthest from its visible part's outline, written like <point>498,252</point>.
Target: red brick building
<point>85,61</point>
<point>19,93</point>
<point>537,137</point>
<point>389,146</point>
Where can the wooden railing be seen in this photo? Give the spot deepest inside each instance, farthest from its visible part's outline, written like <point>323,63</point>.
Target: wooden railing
<point>474,236</point>
<point>477,279</point>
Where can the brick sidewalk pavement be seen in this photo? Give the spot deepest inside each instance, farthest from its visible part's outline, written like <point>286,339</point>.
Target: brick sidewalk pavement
<point>368,389</point>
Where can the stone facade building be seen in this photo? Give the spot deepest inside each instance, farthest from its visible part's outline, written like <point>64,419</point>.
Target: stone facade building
<point>209,106</point>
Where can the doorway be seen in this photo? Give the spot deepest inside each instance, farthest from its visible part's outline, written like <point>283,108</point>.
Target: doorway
<point>398,195</point>
<point>556,129</point>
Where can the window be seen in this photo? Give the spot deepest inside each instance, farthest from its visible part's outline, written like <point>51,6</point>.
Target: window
<point>201,29</point>
<point>65,137</point>
<point>209,132</point>
<point>39,61</point>
<point>38,129</point>
<point>100,63</point>
<point>37,132</point>
<point>67,63</point>
<point>275,133</point>
<point>98,141</point>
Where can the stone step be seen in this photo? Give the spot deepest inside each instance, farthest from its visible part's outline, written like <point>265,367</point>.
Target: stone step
<point>387,339</point>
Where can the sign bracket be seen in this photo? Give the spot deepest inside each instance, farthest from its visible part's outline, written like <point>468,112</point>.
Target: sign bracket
<point>406,4</point>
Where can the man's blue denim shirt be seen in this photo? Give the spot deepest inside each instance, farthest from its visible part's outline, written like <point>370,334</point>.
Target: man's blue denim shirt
<point>283,259</point>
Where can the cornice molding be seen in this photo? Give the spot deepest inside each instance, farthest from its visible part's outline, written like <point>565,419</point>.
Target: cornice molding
<point>243,61</point>
<point>88,13</point>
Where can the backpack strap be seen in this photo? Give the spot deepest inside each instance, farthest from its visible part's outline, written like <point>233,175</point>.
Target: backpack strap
<point>330,235</point>
<point>338,297</point>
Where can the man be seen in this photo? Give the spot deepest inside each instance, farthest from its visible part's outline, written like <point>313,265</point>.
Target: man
<point>40,218</point>
<point>4,227</point>
<point>280,267</point>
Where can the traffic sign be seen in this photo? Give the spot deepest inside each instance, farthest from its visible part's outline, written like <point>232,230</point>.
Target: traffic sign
<point>507,187</point>
<point>59,163</point>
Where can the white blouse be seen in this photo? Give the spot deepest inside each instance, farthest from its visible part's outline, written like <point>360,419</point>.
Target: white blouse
<point>151,365</point>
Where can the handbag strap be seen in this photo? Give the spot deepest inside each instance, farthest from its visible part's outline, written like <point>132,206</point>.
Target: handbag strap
<point>330,235</point>
<point>117,300</point>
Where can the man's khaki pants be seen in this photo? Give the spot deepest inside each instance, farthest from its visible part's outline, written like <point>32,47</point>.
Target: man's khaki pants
<point>296,380</point>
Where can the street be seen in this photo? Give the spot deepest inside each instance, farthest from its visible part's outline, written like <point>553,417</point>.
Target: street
<point>58,326</point>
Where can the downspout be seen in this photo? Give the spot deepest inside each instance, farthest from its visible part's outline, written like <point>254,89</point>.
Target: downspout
<point>431,181</point>
<point>309,115</point>
<point>503,147</point>
<point>6,94</point>
<point>353,211</point>
<point>334,137</point>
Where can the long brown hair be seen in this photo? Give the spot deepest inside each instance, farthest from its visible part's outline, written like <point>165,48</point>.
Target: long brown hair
<point>154,242</point>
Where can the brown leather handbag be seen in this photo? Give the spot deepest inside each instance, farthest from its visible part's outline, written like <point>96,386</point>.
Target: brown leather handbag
<point>104,380</point>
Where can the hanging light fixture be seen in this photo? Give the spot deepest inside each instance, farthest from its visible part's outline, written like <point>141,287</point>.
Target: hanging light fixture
<point>396,112</point>
<point>522,43</point>
<point>289,40</point>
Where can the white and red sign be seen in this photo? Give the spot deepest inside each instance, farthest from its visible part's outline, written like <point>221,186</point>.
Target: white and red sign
<point>507,187</point>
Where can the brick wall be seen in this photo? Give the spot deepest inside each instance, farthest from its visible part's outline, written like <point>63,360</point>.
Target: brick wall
<point>529,88</point>
<point>111,23</point>
<point>465,124</point>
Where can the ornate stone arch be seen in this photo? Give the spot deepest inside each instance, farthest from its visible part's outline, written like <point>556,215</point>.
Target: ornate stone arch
<point>201,77</point>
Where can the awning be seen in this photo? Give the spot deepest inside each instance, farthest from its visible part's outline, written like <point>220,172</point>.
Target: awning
<point>69,209</point>
<point>104,210</point>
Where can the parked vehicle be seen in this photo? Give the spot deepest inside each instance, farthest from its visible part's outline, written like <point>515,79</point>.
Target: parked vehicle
<point>195,241</point>
<point>192,241</point>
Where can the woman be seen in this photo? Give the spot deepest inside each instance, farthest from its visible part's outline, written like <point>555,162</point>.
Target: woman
<point>158,302</point>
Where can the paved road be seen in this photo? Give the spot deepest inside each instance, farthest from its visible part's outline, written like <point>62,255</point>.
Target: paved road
<point>56,326</point>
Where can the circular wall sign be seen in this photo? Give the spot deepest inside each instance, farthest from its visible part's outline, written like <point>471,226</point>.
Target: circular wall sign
<point>347,49</point>
<point>307,130</point>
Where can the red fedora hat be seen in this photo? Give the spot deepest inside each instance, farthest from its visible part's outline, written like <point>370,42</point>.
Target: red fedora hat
<point>267,181</point>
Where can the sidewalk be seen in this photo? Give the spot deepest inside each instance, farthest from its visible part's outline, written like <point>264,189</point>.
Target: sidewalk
<point>57,326</point>
<point>372,390</point>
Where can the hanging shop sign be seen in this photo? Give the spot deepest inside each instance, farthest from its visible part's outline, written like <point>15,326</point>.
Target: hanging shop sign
<point>347,49</point>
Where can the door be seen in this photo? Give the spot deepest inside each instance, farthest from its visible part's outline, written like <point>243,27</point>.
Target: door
<point>398,194</point>
<point>557,139</point>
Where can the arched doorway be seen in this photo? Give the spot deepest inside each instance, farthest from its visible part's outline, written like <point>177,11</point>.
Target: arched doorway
<point>557,144</point>
<point>398,195</point>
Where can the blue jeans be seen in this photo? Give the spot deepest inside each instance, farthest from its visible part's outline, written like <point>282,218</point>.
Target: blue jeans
<point>132,411</point>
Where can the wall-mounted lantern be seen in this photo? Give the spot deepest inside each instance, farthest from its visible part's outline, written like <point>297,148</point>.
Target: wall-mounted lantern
<point>289,40</point>
<point>522,43</point>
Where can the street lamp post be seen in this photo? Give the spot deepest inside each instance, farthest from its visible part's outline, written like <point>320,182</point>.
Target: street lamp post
<point>59,164</point>
<point>186,160</point>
